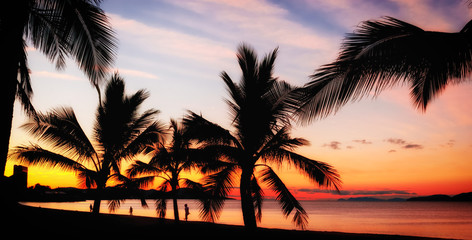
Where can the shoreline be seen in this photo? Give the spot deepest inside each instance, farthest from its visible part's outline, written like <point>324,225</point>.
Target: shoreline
<point>60,223</point>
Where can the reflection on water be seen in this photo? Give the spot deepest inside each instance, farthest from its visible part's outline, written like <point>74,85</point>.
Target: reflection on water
<point>431,219</point>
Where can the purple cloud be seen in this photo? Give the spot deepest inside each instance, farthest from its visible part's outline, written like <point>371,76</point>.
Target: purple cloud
<point>413,146</point>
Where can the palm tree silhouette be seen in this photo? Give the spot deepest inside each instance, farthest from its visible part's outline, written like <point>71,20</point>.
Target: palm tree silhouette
<point>261,106</point>
<point>119,133</point>
<point>168,162</point>
<point>385,53</point>
<point>58,29</point>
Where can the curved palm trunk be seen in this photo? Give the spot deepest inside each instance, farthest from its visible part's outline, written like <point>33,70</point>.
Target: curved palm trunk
<point>101,182</point>
<point>247,206</point>
<point>97,200</point>
<point>11,42</point>
<point>7,99</point>
<point>174,184</point>
<point>96,204</point>
<point>176,207</point>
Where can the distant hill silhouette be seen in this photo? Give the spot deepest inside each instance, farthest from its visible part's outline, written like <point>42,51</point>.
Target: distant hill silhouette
<point>463,197</point>
<point>371,199</point>
<point>46,194</point>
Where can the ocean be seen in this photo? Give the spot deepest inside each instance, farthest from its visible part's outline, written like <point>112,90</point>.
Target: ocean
<point>427,219</point>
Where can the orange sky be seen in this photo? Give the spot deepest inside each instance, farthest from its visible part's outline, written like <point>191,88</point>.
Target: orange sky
<point>382,147</point>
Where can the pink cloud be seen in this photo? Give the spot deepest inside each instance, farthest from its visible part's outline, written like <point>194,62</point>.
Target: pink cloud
<point>170,42</point>
<point>259,21</point>
<point>427,17</point>
<point>422,13</point>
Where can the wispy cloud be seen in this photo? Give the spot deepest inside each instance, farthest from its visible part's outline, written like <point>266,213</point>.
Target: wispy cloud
<point>449,143</point>
<point>259,21</point>
<point>404,144</point>
<point>413,146</point>
<point>333,145</point>
<point>435,17</point>
<point>362,141</point>
<point>177,44</point>
<point>398,141</point>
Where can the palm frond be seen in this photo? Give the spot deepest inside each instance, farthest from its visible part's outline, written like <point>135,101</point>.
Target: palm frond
<point>161,203</point>
<point>141,168</point>
<point>74,28</point>
<point>217,187</point>
<point>146,137</point>
<point>25,98</point>
<point>287,201</point>
<point>236,95</point>
<point>300,219</point>
<point>24,91</point>
<point>218,157</point>
<point>280,140</point>
<point>161,207</point>
<point>257,197</point>
<point>202,130</point>
<point>222,182</point>
<point>199,190</point>
<point>87,178</point>
<point>143,182</point>
<point>247,59</point>
<point>144,203</point>
<point>162,159</point>
<point>265,69</point>
<point>45,32</point>
<point>89,36</point>
<point>35,155</point>
<point>195,159</point>
<point>146,119</point>
<point>320,173</point>
<point>114,204</point>
<point>282,100</point>
<point>385,53</point>
<point>61,129</point>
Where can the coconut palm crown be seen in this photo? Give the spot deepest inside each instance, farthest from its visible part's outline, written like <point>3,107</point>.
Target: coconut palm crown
<point>120,132</point>
<point>59,29</point>
<point>168,161</point>
<point>260,107</point>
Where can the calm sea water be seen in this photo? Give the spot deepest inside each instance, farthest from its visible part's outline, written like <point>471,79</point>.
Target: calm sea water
<point>429,219</point>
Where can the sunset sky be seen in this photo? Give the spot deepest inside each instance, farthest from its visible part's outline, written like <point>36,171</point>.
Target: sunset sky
<point>383,147</point>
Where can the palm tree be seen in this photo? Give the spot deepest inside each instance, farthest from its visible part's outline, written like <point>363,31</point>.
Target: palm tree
<point>168,162</point>
<point>119,133</point>
<point>261,107</point>
<point>57,28</point>
<point>385,53</point>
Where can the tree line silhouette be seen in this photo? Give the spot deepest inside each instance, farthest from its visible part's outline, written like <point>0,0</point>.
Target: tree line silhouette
<point>377,55</point>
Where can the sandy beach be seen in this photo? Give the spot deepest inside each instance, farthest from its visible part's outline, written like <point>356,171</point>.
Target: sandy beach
<point>34,222</point>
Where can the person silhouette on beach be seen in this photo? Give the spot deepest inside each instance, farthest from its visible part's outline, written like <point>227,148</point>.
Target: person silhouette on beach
<point>187,212</point>
<point>131,211</point>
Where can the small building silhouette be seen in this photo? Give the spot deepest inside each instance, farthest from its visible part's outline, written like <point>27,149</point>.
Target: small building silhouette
<point>15,186</point>
<point>19,179</point>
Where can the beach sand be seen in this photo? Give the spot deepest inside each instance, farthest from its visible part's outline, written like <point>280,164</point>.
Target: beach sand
<point>29,222</point>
